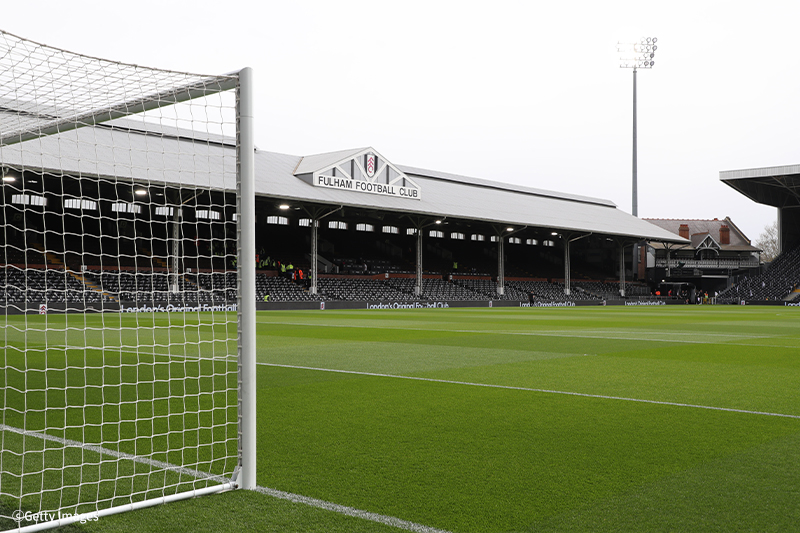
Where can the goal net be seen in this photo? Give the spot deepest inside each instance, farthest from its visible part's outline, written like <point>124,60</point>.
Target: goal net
<point>120,300</point>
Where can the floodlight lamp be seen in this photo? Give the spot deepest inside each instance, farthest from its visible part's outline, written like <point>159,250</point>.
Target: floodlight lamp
<point>554,234</point>
<point>283,207</point>
<point>438,221</point>
<point>140,192</point>
<point>509,229</point>
<point>9,179</point>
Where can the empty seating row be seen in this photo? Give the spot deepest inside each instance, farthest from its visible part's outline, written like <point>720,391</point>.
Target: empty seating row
<point>32,285</point>
<point>361,289</point>
<point>776,283</point>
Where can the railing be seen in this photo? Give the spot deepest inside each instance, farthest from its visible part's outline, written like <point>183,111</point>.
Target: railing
<point>707,263</point>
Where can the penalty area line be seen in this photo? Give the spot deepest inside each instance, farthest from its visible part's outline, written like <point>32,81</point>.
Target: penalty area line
<point>546,391</point>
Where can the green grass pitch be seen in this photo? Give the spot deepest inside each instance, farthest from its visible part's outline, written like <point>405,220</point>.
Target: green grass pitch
<point>123,385</point>
<point>494,420</point>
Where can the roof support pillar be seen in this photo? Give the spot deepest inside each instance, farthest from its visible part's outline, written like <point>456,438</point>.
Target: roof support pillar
<point>314,266</point>
<point>418,287</point>
<point>501,266</point>
<point>568,238</point>
<point>566,267</point>
<point>316,214</point>
<point>622,269</point>
<point>502,233</point>
<point>174,284</point>
<point>177,217</point>
<point>669,273</point>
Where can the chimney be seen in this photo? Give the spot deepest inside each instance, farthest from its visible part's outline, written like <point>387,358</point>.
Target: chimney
<point>683,231</point>
<point>724,234</point>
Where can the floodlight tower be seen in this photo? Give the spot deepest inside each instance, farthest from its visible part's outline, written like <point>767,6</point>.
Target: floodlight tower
<point>636,56</point>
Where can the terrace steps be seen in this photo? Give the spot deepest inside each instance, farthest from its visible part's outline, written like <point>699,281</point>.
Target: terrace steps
<point>54,260</point>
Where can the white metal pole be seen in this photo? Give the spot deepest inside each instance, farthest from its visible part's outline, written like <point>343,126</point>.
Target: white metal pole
<point>501,266</point>
<point>314,260</point>
<point>175,247</point>
<point>566,266</point>
<point>247,283</point>
<point>669,272</point>
<point>418,288</point>
<point>622,269</point>
<point>134,506</point>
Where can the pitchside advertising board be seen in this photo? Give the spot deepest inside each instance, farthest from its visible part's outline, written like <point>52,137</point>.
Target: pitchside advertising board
<point>155,307</point>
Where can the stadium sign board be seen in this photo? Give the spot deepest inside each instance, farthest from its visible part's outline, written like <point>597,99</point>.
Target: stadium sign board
<point>367,172</point>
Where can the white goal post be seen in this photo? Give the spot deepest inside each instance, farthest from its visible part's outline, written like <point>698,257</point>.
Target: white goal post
<point>127,377</point>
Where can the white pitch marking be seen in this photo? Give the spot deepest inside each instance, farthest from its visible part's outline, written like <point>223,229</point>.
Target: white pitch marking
<point>528,389</point>
<point>296,498</point>
<point>541,334</point>
<point>114,453</point>
<point>227,357</point>
<point>350,511</point>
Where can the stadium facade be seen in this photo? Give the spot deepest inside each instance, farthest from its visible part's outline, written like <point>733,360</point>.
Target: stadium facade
<point>62,185</point>
<point>778,187</point>
<point>423,221</point>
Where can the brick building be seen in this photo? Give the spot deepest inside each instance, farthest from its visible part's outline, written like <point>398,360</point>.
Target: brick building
<point>717,253</point>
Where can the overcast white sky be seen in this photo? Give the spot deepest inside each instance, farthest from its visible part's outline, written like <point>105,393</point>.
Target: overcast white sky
<point>520,92</point>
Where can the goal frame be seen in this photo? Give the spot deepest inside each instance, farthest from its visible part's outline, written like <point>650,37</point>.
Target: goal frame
<point>244,475</point>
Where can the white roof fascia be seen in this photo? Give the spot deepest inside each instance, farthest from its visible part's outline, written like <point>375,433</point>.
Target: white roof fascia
<point>764,172</point>
<point>464,200</point>
<point>318,162</point>
<point>101,151</point>
<point>414,171</point>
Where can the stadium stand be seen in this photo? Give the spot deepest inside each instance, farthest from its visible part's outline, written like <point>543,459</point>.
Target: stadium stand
<point>779,282</point>
<point>53,285</point>
<point>280,289</point>
<point>609,290</point>
<point>541,290</point>
<point>486,289</point>
<point>437,289</point>
<point>361,289</point>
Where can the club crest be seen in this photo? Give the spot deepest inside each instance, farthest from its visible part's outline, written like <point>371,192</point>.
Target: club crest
<point>370,165</point>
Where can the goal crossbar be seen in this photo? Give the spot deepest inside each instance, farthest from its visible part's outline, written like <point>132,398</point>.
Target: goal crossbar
<point>52,124</point>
